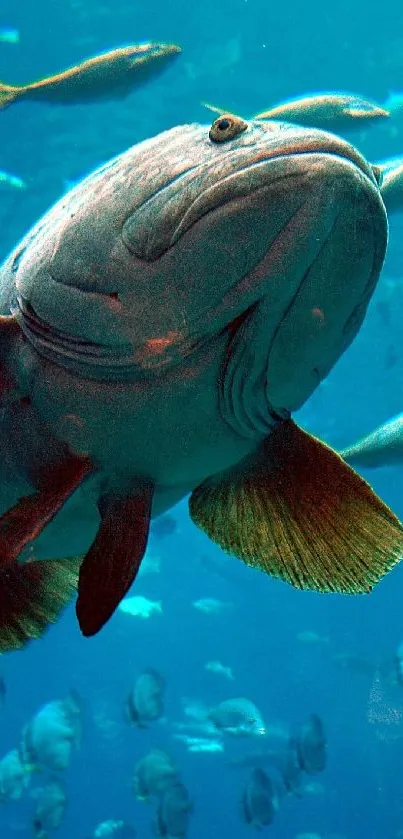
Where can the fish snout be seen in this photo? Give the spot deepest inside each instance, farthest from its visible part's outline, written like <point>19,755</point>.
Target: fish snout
<point>290,140</point>
<point>326,234</point>
<point>339,237</point>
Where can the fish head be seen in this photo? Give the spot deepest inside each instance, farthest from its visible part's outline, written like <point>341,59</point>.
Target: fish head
<point>152,50</point>
<point>271,234</point>
<point>148,59</point>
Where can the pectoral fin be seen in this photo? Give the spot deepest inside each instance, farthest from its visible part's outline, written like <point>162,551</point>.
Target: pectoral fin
<point>296,511</point>
<point>32,596</point>
<point>26,519</point>
<point>111,564</point>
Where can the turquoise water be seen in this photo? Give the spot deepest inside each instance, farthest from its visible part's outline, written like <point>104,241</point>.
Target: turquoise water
<point>291,653</point>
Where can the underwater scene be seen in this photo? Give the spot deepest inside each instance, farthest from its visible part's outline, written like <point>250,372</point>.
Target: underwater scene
<point>201,419</point>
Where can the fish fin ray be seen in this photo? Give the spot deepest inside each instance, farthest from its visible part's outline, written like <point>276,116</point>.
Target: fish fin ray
<point>112,562</point>
<point>300,515</point>
<point>214,108</point>
<point>32,596</point>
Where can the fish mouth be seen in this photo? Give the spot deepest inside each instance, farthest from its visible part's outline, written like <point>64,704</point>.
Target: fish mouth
<point>89,358</point>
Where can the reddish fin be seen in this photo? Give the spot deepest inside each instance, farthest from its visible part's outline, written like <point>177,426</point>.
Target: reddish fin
<point>23,522</point>
<point>298,512</point>
<point>32,596</point>
<point>112,562</point>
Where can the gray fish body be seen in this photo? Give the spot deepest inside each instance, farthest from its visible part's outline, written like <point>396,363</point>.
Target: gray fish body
<point>13,776</point>
<point>146,701</point>
<point>259,800</point>
<point>153,773</point>
<point>50,809</point>
<point>239,717</point>
<point>176,303</point>
<point>174,812</point>
<point>329,112</point>
<point>49,739</point>
<point>383,447</point>
<point>311,746</point>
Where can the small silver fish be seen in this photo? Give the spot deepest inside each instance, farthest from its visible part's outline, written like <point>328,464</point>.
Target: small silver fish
<point>210,605</point>
<point>110,75</point>
<point>173,812</point>
<point>239,717</point>
<point>219,669</point>
<point>12,181</point>
<point>338,112</point>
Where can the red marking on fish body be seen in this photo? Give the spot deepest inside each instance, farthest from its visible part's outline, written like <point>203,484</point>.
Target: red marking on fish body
<point>319,315</point>
<point>113,302</point>
<point>157,346</point>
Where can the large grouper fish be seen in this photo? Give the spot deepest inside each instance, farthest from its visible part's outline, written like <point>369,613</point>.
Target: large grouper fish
<point>159,326</point>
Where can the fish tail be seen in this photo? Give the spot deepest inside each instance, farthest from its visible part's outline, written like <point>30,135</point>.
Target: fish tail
<point>32,595</point>
<point>8,94</point>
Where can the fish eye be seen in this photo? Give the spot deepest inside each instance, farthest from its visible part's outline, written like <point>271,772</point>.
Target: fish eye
<point>226,127</point>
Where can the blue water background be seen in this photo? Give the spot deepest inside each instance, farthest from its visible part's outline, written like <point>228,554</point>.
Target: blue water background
<point>244,55</point>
